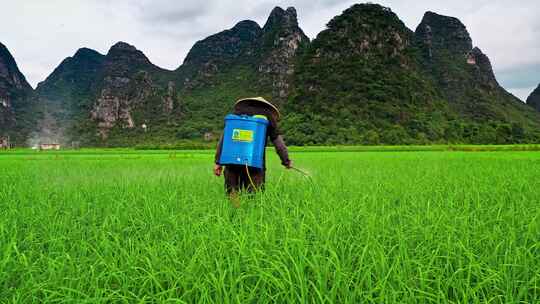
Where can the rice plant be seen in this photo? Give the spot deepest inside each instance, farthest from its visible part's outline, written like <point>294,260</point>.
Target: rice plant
<point>367,227</point>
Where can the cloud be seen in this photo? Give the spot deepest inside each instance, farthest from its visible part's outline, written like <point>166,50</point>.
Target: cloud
<point>42,33</point>
<point>178,15</point>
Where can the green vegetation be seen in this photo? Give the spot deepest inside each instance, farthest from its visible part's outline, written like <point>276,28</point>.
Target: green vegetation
<point>365,80</point>
<point>368,79</point>
<point>154,226</point>
<point>534,99</point>
<point>15,106</point>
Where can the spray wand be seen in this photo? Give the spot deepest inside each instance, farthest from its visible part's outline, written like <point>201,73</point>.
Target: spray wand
<point>304,173</point>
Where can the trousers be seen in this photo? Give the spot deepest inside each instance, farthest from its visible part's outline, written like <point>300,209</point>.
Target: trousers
<point>237,178</point>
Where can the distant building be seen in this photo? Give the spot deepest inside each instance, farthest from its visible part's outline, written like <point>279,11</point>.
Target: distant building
<point>4,143</point>
<point>49,146</point>
<point>208,136</point>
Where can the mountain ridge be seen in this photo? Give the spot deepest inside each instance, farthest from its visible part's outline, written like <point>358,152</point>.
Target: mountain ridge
<point>366,79</point>
<point>534,99</point>
<point>14,98</point>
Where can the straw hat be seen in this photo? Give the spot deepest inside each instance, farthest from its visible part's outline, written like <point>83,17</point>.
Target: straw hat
<point>262,101</point>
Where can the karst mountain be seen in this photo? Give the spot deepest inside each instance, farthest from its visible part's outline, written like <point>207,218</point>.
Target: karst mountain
<point>365,79</point>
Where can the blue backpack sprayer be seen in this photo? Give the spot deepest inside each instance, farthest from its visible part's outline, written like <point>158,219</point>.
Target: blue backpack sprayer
<point>244,140</point>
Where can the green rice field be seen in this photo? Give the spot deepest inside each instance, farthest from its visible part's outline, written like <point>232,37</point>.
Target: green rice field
<point>126,226</point>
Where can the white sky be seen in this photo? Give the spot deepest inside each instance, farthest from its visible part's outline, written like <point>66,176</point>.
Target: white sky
<point>41,33</point>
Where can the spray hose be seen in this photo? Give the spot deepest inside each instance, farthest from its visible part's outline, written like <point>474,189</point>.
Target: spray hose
<point>304,173</point>
<point>250,179</point>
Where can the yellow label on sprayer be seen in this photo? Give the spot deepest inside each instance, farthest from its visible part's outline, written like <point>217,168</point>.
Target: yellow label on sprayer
<point>242,135</point>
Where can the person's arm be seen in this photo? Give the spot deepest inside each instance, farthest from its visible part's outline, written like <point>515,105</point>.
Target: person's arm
<point>279,144</point>
<point>282,151</point>
<point>217,167</point>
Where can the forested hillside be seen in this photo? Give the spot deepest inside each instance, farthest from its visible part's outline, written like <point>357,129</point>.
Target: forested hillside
<point>16,110</point>
<point>366,79</point>
<point>369,79</point>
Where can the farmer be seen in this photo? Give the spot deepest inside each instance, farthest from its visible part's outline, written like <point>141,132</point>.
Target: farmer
<point>237,177</point>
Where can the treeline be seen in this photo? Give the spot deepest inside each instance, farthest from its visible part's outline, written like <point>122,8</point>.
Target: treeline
<point>414,133</point>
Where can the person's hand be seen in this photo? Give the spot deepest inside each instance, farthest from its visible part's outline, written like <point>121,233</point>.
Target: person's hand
<point>218,169</point>
<point>289,165</point>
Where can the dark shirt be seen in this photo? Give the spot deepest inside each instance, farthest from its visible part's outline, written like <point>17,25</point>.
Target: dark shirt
<point>272,131</point>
